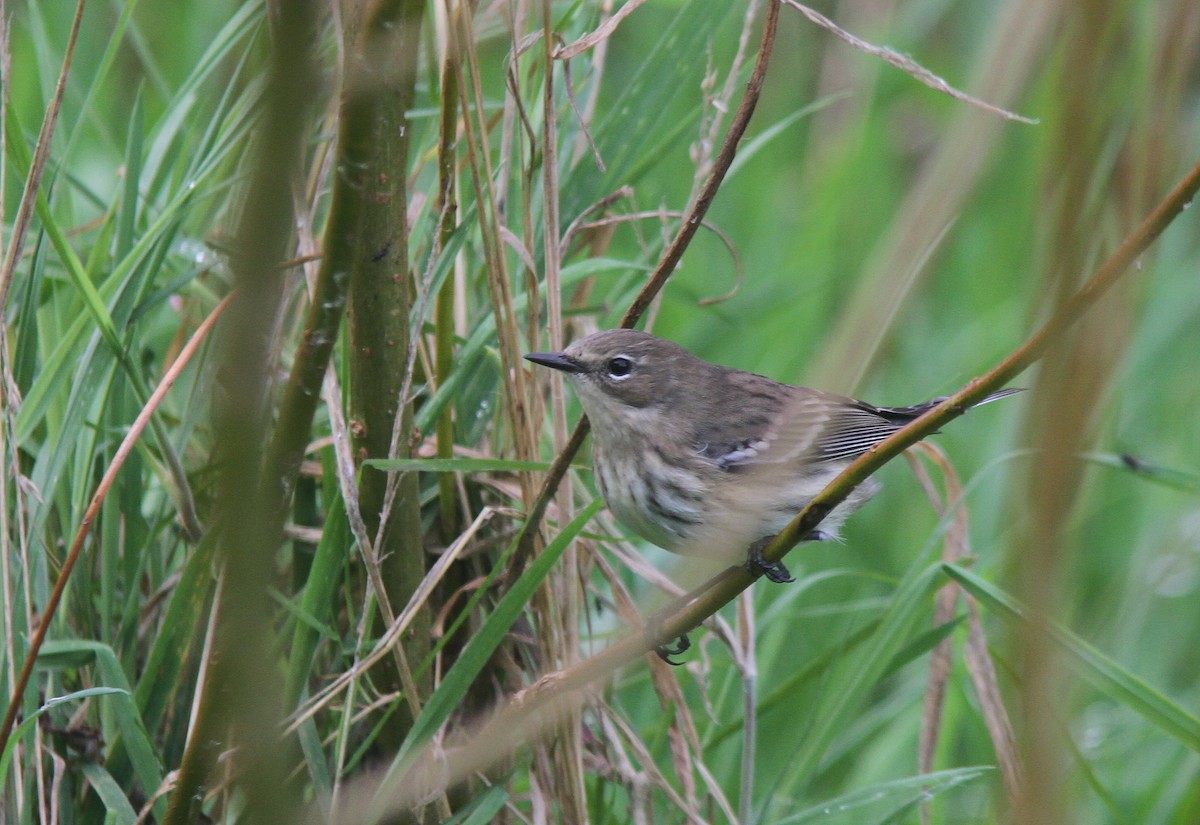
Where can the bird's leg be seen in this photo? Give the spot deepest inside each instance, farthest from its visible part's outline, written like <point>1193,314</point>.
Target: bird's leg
<point>776,571</point>
<point>757,566</point>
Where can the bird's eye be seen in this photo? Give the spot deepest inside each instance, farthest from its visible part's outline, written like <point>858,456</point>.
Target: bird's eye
<point>619,367</point>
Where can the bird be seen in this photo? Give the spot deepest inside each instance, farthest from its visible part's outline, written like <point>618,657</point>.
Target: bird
<point>702,459</point>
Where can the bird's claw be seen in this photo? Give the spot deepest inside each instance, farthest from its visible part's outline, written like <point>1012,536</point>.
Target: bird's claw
<point>682,644</point>
<point>757,566</point>
<point>775,571</point>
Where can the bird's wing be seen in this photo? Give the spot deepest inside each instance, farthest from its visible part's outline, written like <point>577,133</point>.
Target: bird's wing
<point>810,428</point>
<point>779,431</point>
<point>855,429</point>
<point>761,423</point>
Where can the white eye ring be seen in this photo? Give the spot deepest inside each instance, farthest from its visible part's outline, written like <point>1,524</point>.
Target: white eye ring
<point>619,367</point>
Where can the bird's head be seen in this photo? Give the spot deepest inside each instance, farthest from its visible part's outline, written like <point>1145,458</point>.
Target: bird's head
<point>622,375</point>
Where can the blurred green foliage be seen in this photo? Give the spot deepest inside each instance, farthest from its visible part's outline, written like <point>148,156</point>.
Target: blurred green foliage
<point>143,186</point>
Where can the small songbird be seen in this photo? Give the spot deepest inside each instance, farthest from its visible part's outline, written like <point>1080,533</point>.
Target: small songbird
<point>699,458</point>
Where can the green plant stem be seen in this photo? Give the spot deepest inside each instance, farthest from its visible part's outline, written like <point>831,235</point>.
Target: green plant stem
<point>381,78</point>
<point>240,698</point>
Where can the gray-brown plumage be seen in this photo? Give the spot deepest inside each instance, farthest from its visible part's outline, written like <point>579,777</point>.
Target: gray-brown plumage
<point>699,458</point>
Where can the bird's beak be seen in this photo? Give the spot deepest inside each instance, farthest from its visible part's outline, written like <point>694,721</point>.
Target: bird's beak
<point>555,361</point>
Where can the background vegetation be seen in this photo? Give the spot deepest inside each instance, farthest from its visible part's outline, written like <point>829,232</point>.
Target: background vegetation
<point>873,236</point>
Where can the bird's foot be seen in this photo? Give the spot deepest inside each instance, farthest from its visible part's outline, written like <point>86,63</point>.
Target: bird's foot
<point>757,566</point>
<point>776,571</point>
<point>658,642</point>
<point>681,646</point>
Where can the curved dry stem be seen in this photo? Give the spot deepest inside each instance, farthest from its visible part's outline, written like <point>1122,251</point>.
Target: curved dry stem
<point>905,64</point>
<point>975,654</point>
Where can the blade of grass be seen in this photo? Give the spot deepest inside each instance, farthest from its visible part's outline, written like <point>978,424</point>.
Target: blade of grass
<point>117,809</point>
<point>131,730</point>
<point>327,564</point>
<point>899,795</point>
<point>29,721</point>
<point>1166,476</point>
<point>1106,675</point>
<point>855,676</point>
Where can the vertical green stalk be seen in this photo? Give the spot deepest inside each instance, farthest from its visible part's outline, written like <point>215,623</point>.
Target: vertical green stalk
<point>381,78</point>
<point>240,703</point>
<point>447,209</point>
<point>561,590</point>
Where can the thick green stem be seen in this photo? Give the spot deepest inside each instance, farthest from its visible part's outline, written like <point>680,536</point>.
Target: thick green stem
<point>381,78</point>
<point>240,705</point>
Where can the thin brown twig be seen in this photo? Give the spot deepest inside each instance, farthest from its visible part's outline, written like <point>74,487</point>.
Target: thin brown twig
<point>37,166</point>
<point>584,132</point>
<point>596,69</point>
<point>89,516</point>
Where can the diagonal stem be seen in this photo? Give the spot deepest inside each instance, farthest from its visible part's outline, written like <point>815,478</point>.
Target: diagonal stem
<point>1074,308</point>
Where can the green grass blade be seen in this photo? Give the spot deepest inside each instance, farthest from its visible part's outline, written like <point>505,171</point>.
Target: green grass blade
<point>116,803</point>
<point>856,675</point>
<point>318,599</point>
<point>1106,675</point>
<point>1166,476</point>
<point>482,809</point>
<point>130,197</point>
<point>30,720</point>
<point>882,801</point>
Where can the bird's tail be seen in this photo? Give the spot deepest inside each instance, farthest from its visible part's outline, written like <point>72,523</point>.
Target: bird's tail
<point>901,415</point>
